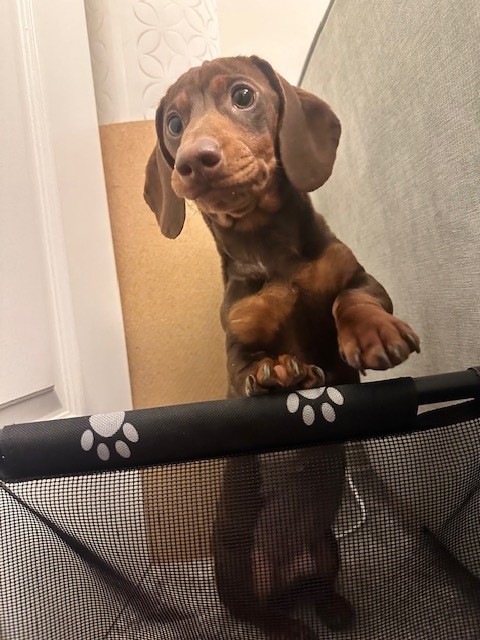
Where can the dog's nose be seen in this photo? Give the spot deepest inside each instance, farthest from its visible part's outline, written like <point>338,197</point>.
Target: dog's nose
<point>198,159</point>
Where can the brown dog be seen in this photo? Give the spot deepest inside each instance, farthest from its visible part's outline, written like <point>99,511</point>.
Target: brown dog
<point>298,311</point>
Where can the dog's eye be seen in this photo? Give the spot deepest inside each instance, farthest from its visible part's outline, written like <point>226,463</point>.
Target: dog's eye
<point>243,97</point>
<point>175,125</point>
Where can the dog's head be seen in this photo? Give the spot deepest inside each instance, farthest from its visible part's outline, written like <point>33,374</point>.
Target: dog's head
<point>227,132</point>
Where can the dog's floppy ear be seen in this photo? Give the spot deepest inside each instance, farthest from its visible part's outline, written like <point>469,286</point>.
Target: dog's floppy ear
<point>168,208</point>
<point>308,132</point>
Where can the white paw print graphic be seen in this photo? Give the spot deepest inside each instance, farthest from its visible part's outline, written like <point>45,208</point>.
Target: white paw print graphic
<point>108,425</point>
<point>333,397</point>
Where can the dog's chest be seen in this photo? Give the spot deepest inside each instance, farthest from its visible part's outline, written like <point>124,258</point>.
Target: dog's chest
<point>254,269</point>
<point>262,260</point>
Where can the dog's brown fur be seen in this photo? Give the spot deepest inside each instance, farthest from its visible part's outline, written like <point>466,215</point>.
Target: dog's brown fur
<point>298,310</point>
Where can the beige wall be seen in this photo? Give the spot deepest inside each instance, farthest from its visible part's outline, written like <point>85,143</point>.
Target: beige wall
<point>170,289</point>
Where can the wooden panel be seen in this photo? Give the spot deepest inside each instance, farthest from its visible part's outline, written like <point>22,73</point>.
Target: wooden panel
<point>171,290</point>
<point>179,503</point>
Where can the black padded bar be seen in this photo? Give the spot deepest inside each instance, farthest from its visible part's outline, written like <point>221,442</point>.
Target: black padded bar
<point>447,387</point>
<point>206,430</point>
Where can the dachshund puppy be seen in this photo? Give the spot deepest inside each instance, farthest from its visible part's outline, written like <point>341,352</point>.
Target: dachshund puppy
<point>298,312</point>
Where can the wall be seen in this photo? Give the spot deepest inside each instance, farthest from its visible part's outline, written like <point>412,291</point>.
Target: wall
<point>280,32</point>
<point>62,344</point>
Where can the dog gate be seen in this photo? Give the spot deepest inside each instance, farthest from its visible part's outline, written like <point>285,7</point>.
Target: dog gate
<point>106,520</point>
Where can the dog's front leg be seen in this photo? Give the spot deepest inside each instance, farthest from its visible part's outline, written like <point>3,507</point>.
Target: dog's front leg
<point>256,326</point>
<point>369,335</point>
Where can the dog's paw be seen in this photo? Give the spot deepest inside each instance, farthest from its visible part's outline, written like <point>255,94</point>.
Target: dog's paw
<point>374,339</point>
<point>285,372</point>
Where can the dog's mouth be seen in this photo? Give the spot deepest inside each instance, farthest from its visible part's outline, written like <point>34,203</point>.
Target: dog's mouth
<point>229,194</point>
<point>235,201</point>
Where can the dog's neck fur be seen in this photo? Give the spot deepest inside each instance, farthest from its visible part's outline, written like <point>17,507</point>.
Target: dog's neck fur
<point>277,244</point>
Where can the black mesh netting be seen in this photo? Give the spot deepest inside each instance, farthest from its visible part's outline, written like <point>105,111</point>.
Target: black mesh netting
<point>129,553</point>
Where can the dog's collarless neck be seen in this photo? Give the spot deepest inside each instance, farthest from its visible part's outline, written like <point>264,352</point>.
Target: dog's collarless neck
<point>291,235</point>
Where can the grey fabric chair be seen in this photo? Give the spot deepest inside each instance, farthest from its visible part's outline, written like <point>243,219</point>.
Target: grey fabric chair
<point>404,79</point>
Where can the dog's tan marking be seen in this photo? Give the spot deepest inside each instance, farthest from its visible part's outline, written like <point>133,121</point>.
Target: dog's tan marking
<point>182,102</point>
<point>218,84</point>
<point>258,318</point>
<point>353,299</point>
<point>247,185</point>
<point>330,273</point>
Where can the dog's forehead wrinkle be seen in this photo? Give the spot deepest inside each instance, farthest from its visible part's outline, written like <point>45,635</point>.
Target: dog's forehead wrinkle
<point>181,101</point>
<point>229,70</point>
<point>218,83</point>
